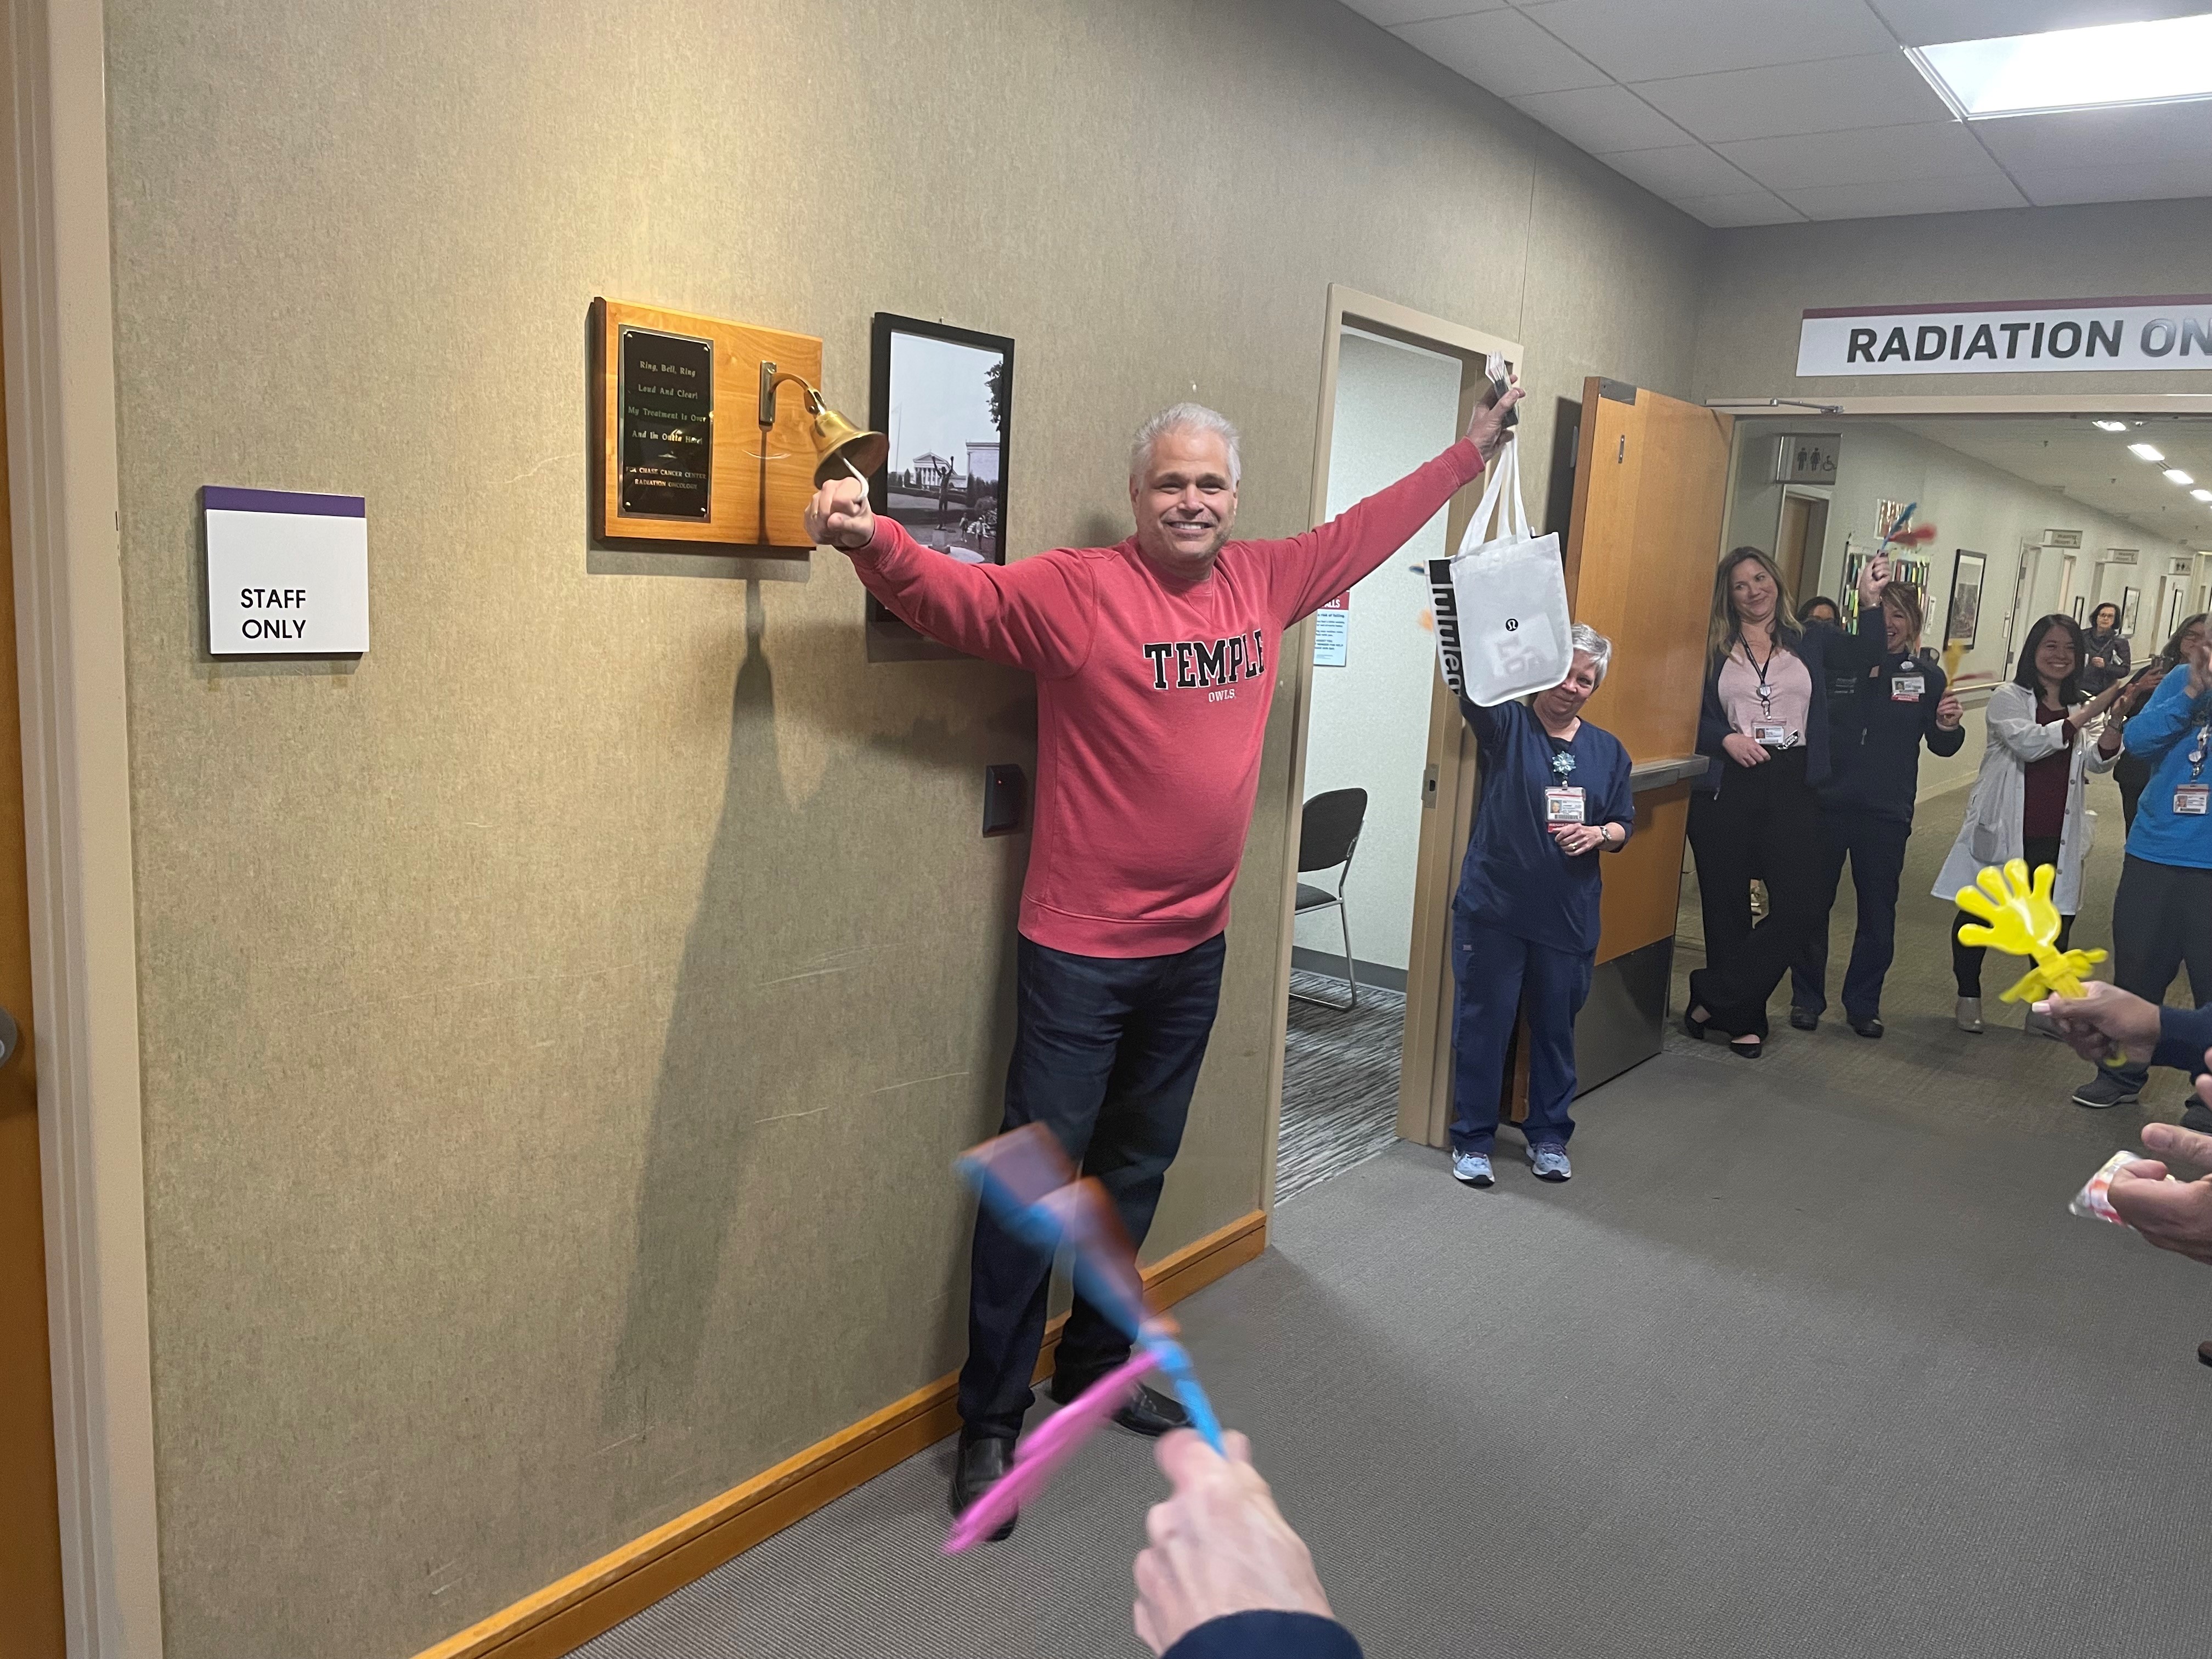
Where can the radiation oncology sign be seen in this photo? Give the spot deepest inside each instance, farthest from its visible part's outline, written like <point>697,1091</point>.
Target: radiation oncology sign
<point>288,572</point>
<point>2010,337</point>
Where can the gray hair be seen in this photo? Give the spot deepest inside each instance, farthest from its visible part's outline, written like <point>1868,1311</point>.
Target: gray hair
<point>1194,417</point>
<point>1594,645</point>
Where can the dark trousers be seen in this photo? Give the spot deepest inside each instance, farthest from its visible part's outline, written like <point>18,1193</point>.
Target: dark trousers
<point>1767,813</point>
<point>2161,919</point>
<point>1106,1055</point>
<point>1875,847</point>
<point>2132,773</point>
<point>1967,959</point>
<point>1501,974</point>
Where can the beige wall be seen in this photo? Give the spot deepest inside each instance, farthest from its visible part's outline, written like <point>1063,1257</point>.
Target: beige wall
<point>1761,280</point>
<point>557,1025</point>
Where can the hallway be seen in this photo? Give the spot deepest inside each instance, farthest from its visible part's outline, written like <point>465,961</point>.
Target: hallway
<point>1809,1358</point>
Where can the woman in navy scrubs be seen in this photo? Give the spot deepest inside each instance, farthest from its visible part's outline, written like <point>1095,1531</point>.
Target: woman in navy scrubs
<point>1554,794</point>
<point>1866,808</point>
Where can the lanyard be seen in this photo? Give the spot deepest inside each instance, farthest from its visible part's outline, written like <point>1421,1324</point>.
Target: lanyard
<point>1766,695</point>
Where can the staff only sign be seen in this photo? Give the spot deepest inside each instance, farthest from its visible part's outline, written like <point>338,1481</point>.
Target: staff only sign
<point>2010,337</point>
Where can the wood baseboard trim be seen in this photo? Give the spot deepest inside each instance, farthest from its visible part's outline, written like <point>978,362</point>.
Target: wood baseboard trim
<point>563,1616</point>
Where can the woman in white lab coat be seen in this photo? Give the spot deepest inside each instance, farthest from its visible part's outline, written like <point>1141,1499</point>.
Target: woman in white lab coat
<point>2027,802</point>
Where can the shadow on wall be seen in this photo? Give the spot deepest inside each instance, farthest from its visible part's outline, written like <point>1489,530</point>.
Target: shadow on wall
<point>817,1074</point>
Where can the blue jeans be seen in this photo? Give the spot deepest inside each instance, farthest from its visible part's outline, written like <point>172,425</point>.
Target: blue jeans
<point>1106,1055</point>
<point>1875,847</point>
<point>1500,975</point>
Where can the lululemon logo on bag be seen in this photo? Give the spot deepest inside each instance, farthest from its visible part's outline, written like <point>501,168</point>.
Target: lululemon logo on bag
<point>1513,624</point>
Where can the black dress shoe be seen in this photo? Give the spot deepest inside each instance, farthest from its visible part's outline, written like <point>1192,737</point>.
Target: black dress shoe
<point>1803,1019</point>
<point>1867,1028</point>
<point>1150,1413</point>
<point>982,1464</point>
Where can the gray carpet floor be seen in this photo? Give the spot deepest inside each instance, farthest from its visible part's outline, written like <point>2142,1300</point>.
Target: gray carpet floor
<point>1809,1360</point>
<point>1339,1083</point>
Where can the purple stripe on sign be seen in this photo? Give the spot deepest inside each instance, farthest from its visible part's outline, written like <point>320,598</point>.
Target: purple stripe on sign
<point>220,498</point>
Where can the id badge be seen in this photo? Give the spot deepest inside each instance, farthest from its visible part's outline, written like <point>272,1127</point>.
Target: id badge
<point>1907,688</point>
<point>1773,737</point>
<point>1563,806</point>
<point>2190,799</point>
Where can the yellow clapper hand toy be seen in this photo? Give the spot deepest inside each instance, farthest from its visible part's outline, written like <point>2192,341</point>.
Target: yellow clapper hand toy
<point>2024,922</point>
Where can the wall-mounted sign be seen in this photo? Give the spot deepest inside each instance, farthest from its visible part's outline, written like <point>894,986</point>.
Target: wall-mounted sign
<point>2010,337</point>
<point>288,574</point>
<point>1333,633</point>
<point>1806,458</point>
<point>682,456</point>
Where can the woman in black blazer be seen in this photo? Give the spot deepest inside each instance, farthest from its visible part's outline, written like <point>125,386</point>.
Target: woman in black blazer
<point>1765,724</point>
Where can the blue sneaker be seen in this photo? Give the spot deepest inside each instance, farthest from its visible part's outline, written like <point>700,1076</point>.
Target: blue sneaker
<point>1550,1163</point>
<point>1473,1170</point>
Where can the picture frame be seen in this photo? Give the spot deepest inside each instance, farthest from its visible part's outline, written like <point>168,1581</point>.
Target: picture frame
<point>2130,609</point>
<point>945,397</point>
<point>2080,601</point>
<point>1963,618</point>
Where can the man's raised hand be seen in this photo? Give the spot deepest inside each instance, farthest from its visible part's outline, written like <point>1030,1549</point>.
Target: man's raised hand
<point>838,516</point>
<point>1488,428</point>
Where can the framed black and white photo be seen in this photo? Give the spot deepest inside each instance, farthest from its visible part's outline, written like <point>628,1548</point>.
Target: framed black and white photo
<point>2078,601</point>
<point>1963,619</point>
<point>2130,604</point>
<point>945,397</point>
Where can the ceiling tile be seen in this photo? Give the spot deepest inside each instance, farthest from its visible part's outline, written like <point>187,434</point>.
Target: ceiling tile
<point>2137,182</point>
<point>1924,22</point>
<point>1390,13</point>
<point>1603,118</point>
<point>1680,170</point>
<point>1646,39</point>
<point>1503,52</point>
<point>1890,200</point>
<point>1873,155</point>
<point>1878,90</point>
<point>2103,138</point>
<point>1749,207</point>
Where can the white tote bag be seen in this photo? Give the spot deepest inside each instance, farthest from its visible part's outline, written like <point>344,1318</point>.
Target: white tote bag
<point>1501,601</point>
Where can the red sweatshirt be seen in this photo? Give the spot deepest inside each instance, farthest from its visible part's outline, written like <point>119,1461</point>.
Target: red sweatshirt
<point>1152,698</point>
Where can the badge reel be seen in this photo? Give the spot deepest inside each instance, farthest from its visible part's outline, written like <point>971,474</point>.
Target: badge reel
<point>2190,799</point>
<point>1767,731</point>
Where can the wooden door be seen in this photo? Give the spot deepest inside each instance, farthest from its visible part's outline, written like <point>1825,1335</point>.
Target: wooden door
<point>30,1523</point>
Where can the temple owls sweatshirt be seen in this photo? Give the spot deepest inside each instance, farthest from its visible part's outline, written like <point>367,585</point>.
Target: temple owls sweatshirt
<point>1152,697</point>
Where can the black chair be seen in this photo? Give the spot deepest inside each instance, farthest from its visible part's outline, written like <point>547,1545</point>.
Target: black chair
<point>1328,835</point>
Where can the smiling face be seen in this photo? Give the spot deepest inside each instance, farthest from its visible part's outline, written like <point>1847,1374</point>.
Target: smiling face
<point>1184,501</point>
<point>1753,592</point>
<point>1896,626</point>
<point>1565,700</point>
<point>2054,655</point>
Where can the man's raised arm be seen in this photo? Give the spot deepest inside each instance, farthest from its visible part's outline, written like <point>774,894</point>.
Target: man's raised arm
<point>1035,614</point>
<point>1313,568</point>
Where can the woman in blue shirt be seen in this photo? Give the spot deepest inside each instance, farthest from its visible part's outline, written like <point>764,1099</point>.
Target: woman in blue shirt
<point>1554,794</point>
<point>2162,915</point>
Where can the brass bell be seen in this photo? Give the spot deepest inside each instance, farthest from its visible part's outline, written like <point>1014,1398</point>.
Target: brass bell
<point>841,444</point>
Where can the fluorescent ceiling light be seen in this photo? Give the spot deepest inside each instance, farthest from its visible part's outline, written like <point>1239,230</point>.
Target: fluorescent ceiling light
<point>2202,494</point>
<point>2110,426</point>
<point>2145,453</point>
<point>2174,475</point>
<point>2163,62</point>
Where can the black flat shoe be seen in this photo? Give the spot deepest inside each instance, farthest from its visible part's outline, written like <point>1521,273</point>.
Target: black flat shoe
<point>1693,1026</point>
<point>1751,1050</point>
<point>1804,1019</point>
<point>1867,1028</point>
<point>1150,1413</point>
<point>983,1463</point>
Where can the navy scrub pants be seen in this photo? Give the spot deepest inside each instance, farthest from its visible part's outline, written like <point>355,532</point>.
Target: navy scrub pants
<point>1501,974</point>
<point>1107,1051</point>
<point>1875,847</point>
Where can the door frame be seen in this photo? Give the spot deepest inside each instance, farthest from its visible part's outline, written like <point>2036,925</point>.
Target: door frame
<point>56,307</point>
<point>1424,1049</point>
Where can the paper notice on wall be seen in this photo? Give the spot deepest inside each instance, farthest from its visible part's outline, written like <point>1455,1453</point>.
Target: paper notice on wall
<point>1332,632</point>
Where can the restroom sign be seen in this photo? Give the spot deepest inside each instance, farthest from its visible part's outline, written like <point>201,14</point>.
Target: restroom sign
<point>288,572</point>
<point>2017,336</point>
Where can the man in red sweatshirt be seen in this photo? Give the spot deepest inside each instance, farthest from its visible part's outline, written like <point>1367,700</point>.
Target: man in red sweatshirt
<point>1154,663</point>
